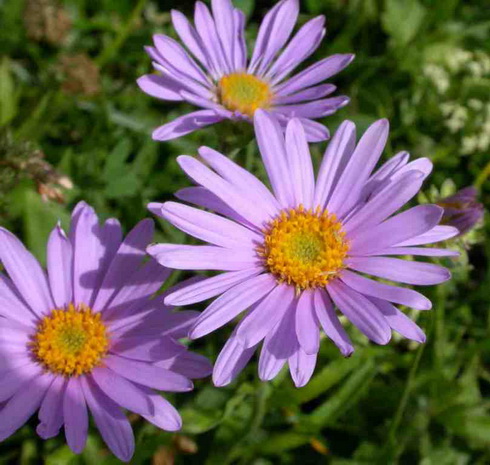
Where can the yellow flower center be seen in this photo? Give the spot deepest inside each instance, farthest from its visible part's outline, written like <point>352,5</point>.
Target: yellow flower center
<point>244,93</point>
<point>71,342</point>
<point>304,248</point>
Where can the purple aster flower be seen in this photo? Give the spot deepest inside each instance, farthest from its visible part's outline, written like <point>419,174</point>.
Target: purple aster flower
<point>87,336</point>
<point>292,255</point>
<point>226,85</point>
<point>462,210</point>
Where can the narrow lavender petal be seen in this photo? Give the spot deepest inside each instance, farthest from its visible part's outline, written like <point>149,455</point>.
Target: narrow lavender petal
<point>301,46</point>
<point>206,199</point>
<point>112,424</point>
<point>209,287</point>
<point>399,322</point>
<point>186,124</point>
<point>315,109</point>
<point>404,226</point>
<point>270,140</point>
<point>206,29</point>
<point>227,192</point>
<point>240,178</point>
<point>395,269</point>
<point>334,161</point>
<point>145,348</point>
<point>398,295</point>
<point>75,416</point>
<point>173,54</point>
<point>231,361</point>
<point>279,345</point>
<point>111,236</point>
<point>160,86</point>
<point>312,93</point>
<point>436,234</point>
<point>301,367</point>
<point>330,322</point>
<point>224,19</point>
<point>22,405</point>
<point>358,168</point>
<point>51,412</point>
<point>307,325</point>
<point>16,378</point>
<point>122,391</point>
<point>232,303</point>
<point>278,33</point>
<point>148,375</point>
<point>315,132</point>
<point>419,251</point>
<point>392,165</point>
<point>205,102</point>
<point>26,273</point>
<point>315,74</point>
<point>11,306</point>
<point>203,257</point>
<point>381,206</point>
<point>261,319</point>
<point>300,164</point>
<point>209,227</point>
<point>127,260</point>
<point>361,312</point>
<point>165,414</point>
<point>59,264</point>
<point>191,39</point>
<point>240,50</point>
<point>190,365</point>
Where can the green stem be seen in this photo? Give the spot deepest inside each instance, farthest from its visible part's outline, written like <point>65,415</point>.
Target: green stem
<point>483,176</point>
<point>113,47</point>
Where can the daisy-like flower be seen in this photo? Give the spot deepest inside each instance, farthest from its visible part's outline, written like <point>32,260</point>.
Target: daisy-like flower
<point>87,336</point>
<point>292,255</point>
<point>462,209</point>
<point>220,80</point>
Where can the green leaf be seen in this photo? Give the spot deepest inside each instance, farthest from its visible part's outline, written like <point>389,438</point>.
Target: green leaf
<point>8,96</point>
<point>402,20</point>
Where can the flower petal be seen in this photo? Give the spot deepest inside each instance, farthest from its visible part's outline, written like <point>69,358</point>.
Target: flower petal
<point>59,264</point>
<point>186,124</point>
<point>51,411</point>
<point>307,326</point>
<point>75,416</point>
<point>301,367</point>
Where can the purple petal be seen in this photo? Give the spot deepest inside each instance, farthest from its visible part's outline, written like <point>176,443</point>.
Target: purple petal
<point>26,273</point>
<point>11,306</point>
<point>190,365</point>
<point>403,271</point>
<point>166,416</point>
<point>209,287</point>
<point>146,348</point>
<point>75,416</point>
<point>313,93</point>
<point>15,378</point>
<point>51,411</point>
<point>261,319</point>
<point>122,391</point>
<point>315,109</point>
<point>307,326</point>
<point>149,375</point>
<point>330,323</point>
<point>337,155</point>
<point>398,295</point>
<point>203,257</point>
<point>361,312</point>
<point>240,50</point>
<point>232,303</point>
<point>60,263</point>
<point>301,367</point>
<point>419,251</point>
<point>231,361</point>
<point>22,405</point>
<point>186,124</point>
<point>271,143</point>
<point>224,18</point>
<point>436,234</point>
<point>112,424</point>
<point>315,132</point>
<point>300,165</point>
<point>161,86</point>
<point>399,322</point>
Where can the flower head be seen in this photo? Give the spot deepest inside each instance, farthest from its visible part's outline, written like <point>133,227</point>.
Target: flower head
<point>217,76</point>
<point>289,256</point>
<point>87,336</point>
<point>462,210</point>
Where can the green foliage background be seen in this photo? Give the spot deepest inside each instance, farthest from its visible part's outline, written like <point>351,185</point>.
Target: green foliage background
<point>402,403</point>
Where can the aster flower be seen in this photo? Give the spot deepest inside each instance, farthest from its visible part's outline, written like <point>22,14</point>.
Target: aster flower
<point>86,336</point>
<point>217,76</point>
<point>462,210</point>
<point>289,256</point>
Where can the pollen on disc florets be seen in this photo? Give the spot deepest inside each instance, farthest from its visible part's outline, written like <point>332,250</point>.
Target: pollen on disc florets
<point>71,341</point>
<point>244,93</point>
<point>304,248</point>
